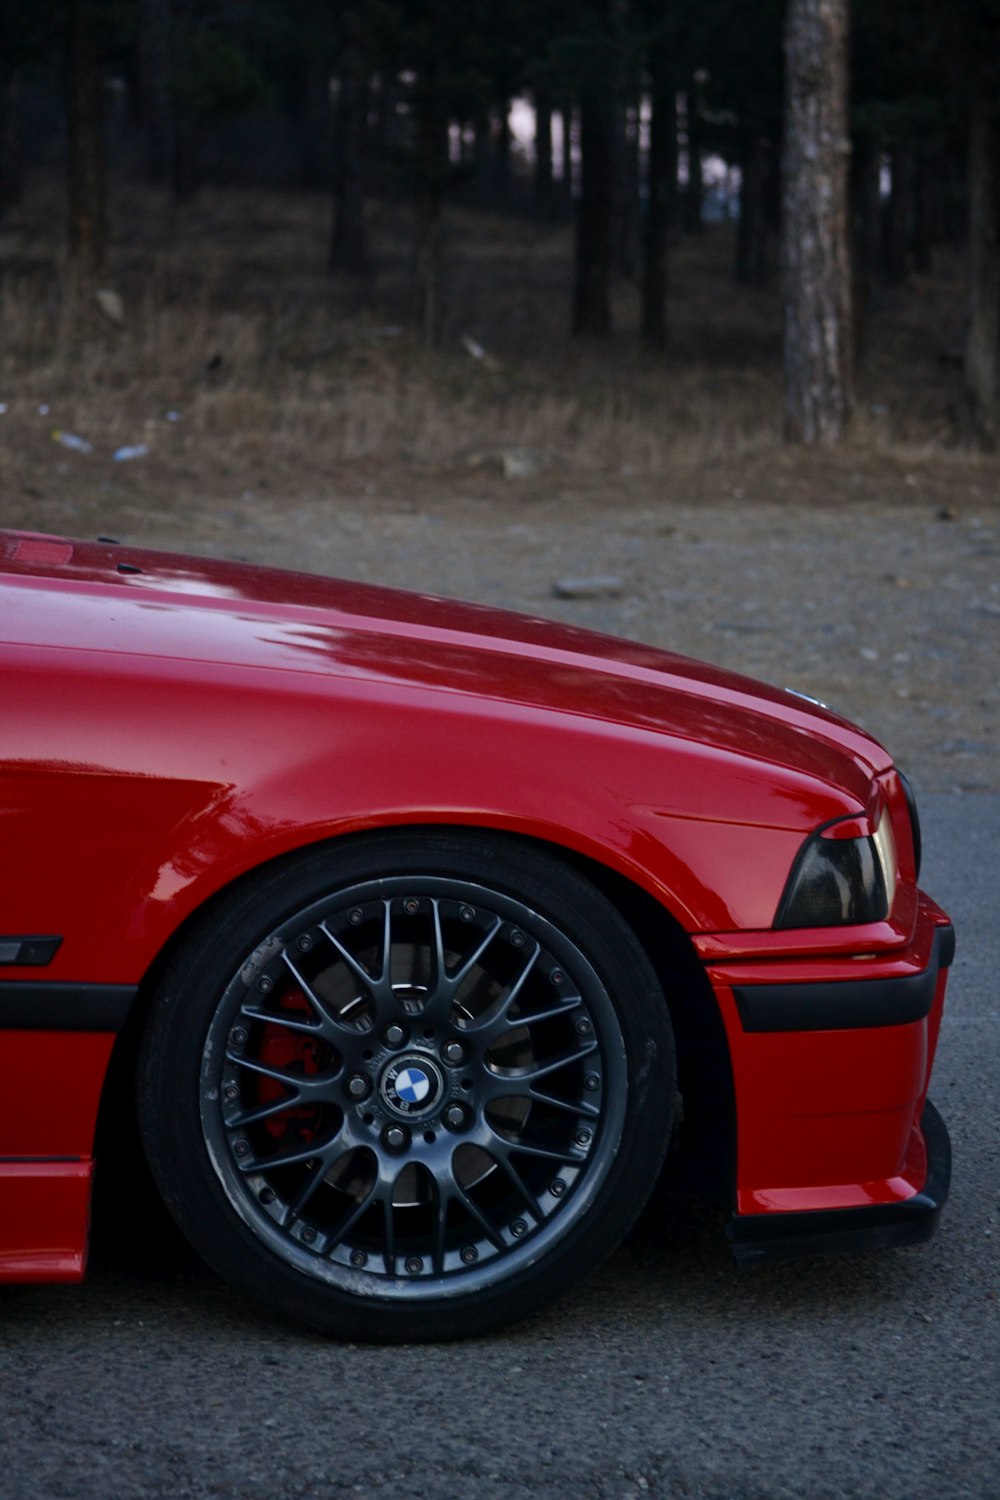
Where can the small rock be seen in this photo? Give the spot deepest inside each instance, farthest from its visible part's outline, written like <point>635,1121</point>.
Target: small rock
<point>111,305</point>
<point>600,587</point>
<point>520,463</point>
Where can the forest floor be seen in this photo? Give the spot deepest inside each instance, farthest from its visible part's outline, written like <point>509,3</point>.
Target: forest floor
<point>292,420</point>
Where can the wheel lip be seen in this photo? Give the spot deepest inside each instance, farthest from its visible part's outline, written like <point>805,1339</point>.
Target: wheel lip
<point>495,1271</point>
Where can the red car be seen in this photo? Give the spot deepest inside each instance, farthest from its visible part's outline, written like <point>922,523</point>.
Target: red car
<point>421,931</point>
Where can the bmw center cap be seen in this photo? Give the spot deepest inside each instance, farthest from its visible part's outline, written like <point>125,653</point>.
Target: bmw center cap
<point>412,1086</point>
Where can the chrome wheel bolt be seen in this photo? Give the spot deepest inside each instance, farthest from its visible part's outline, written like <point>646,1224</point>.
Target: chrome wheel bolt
<point>453,1052</point>
<point>357,1086</point>
<point>454,1116</point>
<point>396,1137</point>
<point>394,1035</point>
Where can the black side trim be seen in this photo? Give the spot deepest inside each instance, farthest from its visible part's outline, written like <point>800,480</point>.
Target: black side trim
<point>787,1236</point>
<point>34,951</point>
<point>64,1007</point>
<point>844,1005</point>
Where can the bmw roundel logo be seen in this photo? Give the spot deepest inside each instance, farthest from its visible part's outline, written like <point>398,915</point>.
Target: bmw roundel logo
<point>412,1085</point>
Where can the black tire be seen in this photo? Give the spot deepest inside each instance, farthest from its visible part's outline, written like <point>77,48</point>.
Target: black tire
<point>423,1149</point>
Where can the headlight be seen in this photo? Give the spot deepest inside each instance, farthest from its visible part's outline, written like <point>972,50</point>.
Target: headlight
<point>842,875</point>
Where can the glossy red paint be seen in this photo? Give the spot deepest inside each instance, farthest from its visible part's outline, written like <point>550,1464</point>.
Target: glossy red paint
<point>178,724</point>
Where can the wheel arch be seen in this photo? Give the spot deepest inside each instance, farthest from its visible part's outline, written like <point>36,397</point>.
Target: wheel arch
<point>706,1134</point>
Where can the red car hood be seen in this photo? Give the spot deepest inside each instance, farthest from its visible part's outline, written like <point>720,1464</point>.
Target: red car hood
<point>104,597</point>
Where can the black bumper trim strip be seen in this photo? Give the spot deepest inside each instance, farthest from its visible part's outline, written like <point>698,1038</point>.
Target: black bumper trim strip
<point>846,1005</point>
<point>64,1007</point>
<point>757,1238</point>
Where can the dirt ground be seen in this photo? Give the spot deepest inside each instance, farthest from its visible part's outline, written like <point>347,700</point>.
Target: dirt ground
<point>869,581</point>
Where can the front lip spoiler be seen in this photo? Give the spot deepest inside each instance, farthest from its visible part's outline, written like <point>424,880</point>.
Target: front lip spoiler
<point>757,1238</point>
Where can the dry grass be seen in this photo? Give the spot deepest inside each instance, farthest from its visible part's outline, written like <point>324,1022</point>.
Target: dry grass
<point>276,370</point>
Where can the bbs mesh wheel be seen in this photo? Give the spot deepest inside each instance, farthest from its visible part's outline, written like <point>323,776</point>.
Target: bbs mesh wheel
<point>408,1087</point>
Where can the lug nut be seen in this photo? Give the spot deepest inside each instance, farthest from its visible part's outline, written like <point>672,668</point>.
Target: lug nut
<point>453,1052</point>
<point>454,1116</point>
<point>357,1086</point>
<point>304,943</point>
<point>518,1228</point>
<point>394,1035</point>
<point>396,1137</point>
<point>470,1255</point>
<point>592,1082</point>
<point>358,1259</point>
<point>414,1265</point>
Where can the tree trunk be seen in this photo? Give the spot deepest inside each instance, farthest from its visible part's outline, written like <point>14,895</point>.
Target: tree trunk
<point>155,107</point>
<point>431,174</point>
<point>567,115</point>
<point>982,347</point>
<point>866,221</point>
<point>625,186</point>
<point>348,241</point>
<point>923,229</point>
<point>898,226</point>
<point>86,240</point>
<point>751,230</point>
<point>660,188</point>
<point>817,284</point>
<point>594,218</point>
<point>695,195</point>
<point>11,155</point>
<point>544,195</point>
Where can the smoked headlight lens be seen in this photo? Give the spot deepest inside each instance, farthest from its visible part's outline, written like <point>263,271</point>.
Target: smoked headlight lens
<point>836,881</point>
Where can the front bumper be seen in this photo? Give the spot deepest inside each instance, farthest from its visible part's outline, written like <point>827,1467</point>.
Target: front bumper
<point>831,1058</point>
<point>757,1238</point>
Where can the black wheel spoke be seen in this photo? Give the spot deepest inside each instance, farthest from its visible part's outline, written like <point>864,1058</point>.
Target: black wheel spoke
<point>305,1087</point>
<point>578,1107</point>
<point>388,1230</point>
<point>378,985</point>
<point>243,1119</point>
<point>495,1027</point>
<point>461,974</point>
<point>555,1064</point>
<point>329,1026</point>
<point>502,1148</point>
